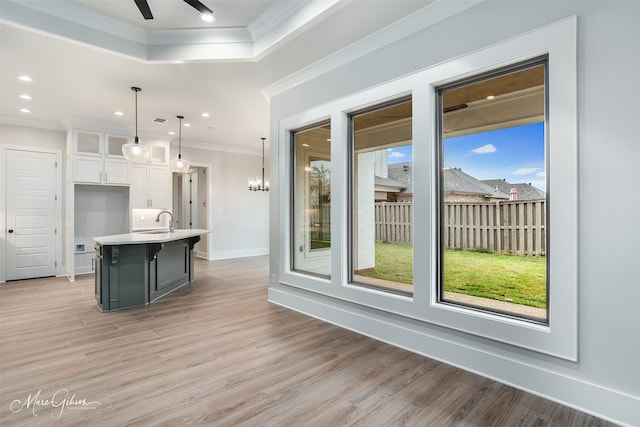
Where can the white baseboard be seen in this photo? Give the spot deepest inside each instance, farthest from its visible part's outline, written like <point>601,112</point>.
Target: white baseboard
<point>447,347</point>
<point>241,253</point>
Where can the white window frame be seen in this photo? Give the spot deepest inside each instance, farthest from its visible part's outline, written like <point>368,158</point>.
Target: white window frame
<point>559,337</point>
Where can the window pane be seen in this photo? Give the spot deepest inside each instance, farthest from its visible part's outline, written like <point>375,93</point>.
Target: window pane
<point>382,197</point>
<point>493,193</point>
<point>311,234</point>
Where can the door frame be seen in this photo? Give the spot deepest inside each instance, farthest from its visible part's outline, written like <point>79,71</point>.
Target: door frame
<point>209,179</point>
<point>60,267</point>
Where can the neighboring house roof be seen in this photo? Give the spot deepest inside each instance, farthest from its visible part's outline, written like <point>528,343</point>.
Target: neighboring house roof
<point>525,191</point>
<point>402,173</point>
<point>388,182</point>
<point>458,182</point>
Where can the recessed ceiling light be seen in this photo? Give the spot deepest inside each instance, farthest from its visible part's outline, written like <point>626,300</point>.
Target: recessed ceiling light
<point>187,125</point>
<point>25,96</point>
<point>172,133</point>
<point>25,78</point>
<point>205,114</point>
<point>305,145</point>
<point>119,113</point>
<point>490,97</point>
<point>25,110</point>
<point>207,17</point>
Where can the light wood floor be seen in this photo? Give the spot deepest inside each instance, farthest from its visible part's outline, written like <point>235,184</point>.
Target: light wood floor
<point>216,353</point>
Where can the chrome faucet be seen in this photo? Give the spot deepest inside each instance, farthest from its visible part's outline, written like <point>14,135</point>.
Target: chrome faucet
<point>171,227</point>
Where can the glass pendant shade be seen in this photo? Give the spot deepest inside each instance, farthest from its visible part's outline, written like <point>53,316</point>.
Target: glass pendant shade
<point>134,151</point>
<point>179,165</point>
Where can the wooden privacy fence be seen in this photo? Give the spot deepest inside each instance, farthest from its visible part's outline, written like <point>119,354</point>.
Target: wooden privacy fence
<point>394,222</point>
<point>514,227</point>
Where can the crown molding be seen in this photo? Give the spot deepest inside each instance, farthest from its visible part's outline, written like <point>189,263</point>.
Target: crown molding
<point>67,20</point>
<point>422,19</point>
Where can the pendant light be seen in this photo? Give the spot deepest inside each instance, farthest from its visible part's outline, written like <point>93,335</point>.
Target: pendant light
<point>255,183</point>
<point>134,151</point>
<point>180,165</point>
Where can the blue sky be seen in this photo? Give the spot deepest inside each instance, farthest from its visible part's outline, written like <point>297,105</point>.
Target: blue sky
<point>515,154</point>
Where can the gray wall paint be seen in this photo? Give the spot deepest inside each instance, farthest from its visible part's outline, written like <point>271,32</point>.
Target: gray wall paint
<point>609,205</point>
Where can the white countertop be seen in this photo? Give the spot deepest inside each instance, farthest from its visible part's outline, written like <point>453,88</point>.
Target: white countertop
<point>153,236</point>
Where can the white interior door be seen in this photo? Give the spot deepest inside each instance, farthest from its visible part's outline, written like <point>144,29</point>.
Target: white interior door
<point>31,216</point>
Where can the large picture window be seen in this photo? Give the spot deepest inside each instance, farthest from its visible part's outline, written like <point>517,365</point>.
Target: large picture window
<point>382,197</point>
<point>455,196</point>
<point>492,198</point>
<point>311,225</point>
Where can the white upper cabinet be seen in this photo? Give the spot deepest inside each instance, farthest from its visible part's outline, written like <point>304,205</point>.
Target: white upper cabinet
<point>151,187</point>
<point>97,158</point>
<point>88,143</point>
<point>113,146</point>
<point>151,180</point>
<point>158,153</point>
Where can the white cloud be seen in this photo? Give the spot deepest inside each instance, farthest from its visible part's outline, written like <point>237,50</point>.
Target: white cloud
<point>485,149</point>
<point>542,174</point>
<point>396,154</point>
<point>524,171</point>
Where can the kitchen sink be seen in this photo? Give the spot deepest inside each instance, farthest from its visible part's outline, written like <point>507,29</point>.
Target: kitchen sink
<point>153,232</point>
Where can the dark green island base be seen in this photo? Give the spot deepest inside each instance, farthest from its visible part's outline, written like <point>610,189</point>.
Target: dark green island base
<point>134,274</point>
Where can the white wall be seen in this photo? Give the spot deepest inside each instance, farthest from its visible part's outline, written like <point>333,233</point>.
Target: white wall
<point>240,217</point>
<point>605,380</point>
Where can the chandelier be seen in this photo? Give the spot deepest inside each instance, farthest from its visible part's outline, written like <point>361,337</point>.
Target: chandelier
<point>256,183</point>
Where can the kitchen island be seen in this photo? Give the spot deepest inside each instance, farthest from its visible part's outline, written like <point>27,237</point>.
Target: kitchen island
<point>137,268</point>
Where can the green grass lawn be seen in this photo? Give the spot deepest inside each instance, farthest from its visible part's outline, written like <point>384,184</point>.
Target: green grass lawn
<point>516,279</point>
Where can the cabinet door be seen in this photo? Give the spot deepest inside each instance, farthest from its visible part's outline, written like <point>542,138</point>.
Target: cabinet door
<point>87,169</point>
<point>138,189</point>
<point>87,143</point>
<point>159,154</point>
<point>114,145</point>
<point>160,187</point>
<point>116,171</point>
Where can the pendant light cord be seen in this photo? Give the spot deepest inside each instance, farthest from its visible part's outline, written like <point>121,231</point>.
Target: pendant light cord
<point>180,138</point>
<point>263,183</point>
<point>136,90</point>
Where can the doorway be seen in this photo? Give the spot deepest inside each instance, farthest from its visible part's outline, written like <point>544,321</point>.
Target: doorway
<point>33,212</point>
<point>191,204</point>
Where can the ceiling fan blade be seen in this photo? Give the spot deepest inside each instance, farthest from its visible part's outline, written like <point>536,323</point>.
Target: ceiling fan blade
<point>199,6</point>
<point>144,8</point>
